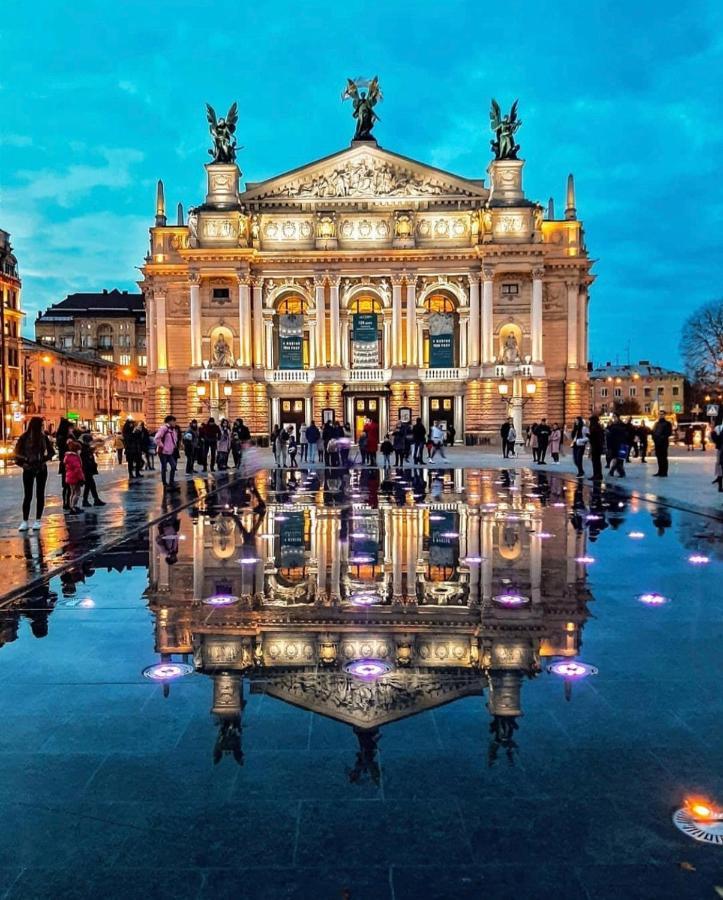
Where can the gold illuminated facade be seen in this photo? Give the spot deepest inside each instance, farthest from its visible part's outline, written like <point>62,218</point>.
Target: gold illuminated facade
<point>368,284</point>
<point>11,321</point>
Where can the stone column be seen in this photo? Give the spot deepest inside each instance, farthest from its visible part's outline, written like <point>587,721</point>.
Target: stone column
<point>335,355</point>
<point>345,362</point>
<point>536,314</point>
<point>411,320</point>
<point>572,304</point>
<point>151,335</point>
<point>161,343</point>
<point>319,281</point>
<point>196,351</point>
<point>473,339</point>
<point>258,322</point>
<point>463,339</point>
<point>244,320</point>
<point>269,335</point>
<point>582,329</point>
<point>388,351</point>
<point>458,423</point>
<point>396,320</point>
<point>487,315</point>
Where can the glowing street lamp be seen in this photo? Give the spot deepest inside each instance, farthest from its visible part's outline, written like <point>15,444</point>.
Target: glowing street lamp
<point>227,388</point>
<point>201,389</point>
<point>503,387</point>
<point>530,387</point>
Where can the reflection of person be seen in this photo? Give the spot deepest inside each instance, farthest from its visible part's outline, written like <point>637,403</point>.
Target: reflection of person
<point>167,539</point>
<point>33,450</point>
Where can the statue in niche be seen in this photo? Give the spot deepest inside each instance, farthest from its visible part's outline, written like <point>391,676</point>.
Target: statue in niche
<point>504,127</point>
<point>510,351</point>
<point>364,104</point>
<point>222,134</point>
<point>222,353</point>
<point>192,228</point>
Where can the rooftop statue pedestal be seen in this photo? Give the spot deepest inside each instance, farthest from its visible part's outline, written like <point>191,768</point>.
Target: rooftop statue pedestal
<point>506,182</point>
<point>223,181</point>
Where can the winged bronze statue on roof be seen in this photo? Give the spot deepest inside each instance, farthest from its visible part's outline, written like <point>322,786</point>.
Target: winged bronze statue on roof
<point>364,103</point>
<point>504,127</point>
<point>222,134</point>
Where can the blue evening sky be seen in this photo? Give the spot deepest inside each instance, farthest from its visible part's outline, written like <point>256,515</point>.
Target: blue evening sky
<point>99,99</point>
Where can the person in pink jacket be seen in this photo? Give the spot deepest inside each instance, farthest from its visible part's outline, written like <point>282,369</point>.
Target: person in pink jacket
<point>73,475</point>
<point>167,443</point>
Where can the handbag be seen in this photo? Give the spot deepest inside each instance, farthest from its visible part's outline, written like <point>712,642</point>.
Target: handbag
<point>622,451</point>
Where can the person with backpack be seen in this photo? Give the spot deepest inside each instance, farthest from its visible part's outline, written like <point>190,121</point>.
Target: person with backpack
<point>167,442</point>
<point>33,451</point>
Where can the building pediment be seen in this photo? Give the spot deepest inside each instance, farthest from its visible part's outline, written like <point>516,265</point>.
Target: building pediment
<point>363,172</point>
<point>371,704</point>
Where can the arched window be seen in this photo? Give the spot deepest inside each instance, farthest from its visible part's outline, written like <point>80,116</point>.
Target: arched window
<point>441,332</point>
<point>292,334</point>
<point>366,318</point>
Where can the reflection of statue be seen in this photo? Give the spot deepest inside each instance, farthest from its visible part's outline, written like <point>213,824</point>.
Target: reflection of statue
<point>364,104</point>
<point>222,355</point>
<point>222,131</point>
<point>511,352</point>
<point>504,127</point>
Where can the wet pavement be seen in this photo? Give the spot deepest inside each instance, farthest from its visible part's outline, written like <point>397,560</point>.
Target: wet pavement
<point>374,702</point>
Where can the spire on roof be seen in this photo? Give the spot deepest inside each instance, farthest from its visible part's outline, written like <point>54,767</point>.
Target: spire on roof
<point>570,211</point>
<point>179,214</point>
<point>550,209</point>
<point>160,205</point>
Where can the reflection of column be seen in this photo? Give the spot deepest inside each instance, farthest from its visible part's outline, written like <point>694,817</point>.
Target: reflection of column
<point>411,320</point>
<point>244,321</point>
<point>570,554</point>
<point>196,351</point>
<point>335,356</point>
<point>258,325</point>
<point>572,303</point>
<point>335,557</point>
<point>410,522</point>
<point>535,564</point>
<point>487,528</point>
<point>320,320</point>
<point>161,345</point>
<point>473,339</point>
<point>321,551</point>
<point>487,314</point>
<point>396,320</point>
<point>198,558</point>
<point>397,554</point>
<point>473,551</point>
<point>536,314</point>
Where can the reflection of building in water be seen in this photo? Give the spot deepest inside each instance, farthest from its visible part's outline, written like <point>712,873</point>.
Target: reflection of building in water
<point>455,597</point>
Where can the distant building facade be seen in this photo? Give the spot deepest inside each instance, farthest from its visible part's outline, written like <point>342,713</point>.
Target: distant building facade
<point>651,388</point>
<point>11,319</point>
<point>93,392</point>
<point>109,324</point>
<point>368,285</point>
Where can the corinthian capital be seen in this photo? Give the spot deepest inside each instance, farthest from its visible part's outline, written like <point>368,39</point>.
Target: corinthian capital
<point>474,278</point>
<point>319,280</point>
<point>538,272</point>
<point>488,273</point>
<point>397,279</point>
<point>334,280</point>
<point>194,278</point>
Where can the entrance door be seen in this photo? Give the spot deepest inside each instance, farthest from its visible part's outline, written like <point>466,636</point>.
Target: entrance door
<point>441,410</point>
<point>292,413</point>
<point>365,408</point>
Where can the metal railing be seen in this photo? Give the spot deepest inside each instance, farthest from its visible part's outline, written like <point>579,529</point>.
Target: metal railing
<point>287,376</point>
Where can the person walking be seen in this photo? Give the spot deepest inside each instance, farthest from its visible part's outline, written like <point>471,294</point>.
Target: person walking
<point>630,434</point>
<point>387,448</point>
<point>534,443</point>
<point>211,435</point>
<point>363,438</point>
<point>292,447</point>
<point>437,437</point>
<point>90,470</point>
<point>73,475</point>
<point>303,445</point>
<point>511,440</point>
<point>312,438</point>
<point>118,446</point>
<point>282,440</point>
<point>149,447</point>
<point>555,441</point>
<point>190,445</point>
<point>662,430</point>
<point>451,434</point>
<point>419,439</point>
<point>579,437</point>
<point>717,438</point>
<point>240,439</point>
<point>166,443</point>
<point>33,451</point>
<point>62,436</point>
<point>224,444</point>
<point>597,447</point>
<point>398,442</point>
<point>345,442</point>
<point>133,442</point>
<point>617,437</point>
<point>327,433</point>
<point>504,436</point>
<point>543,439</point>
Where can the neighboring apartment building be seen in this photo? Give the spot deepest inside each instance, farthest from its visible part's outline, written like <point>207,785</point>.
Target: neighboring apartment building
<point>110,324</point>
<point>93,392</point>
<point>11,319</point>
<point>652,388</point>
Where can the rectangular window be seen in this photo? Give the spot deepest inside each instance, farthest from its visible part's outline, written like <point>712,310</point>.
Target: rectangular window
<point>142,361</point>
<point>603,392</point>
<point>647,392</point>
<point>646,408</point>
<point>676,390</point>
<point>618,392</point>
<point>633,392</point>
<point>510,289</point>
<point>221,295</point>
<point>125,359</point>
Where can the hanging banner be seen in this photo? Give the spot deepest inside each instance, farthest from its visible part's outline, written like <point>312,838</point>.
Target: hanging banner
<point>291,340</point>
<point>441,340</point>
<point>365,341</point>
<point>443,539</point>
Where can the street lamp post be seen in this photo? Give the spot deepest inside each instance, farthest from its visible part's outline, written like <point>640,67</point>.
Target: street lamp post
<point>523,390</point>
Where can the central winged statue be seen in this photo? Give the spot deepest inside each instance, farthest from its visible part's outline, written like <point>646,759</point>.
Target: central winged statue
<point>364,103</point>
<point>222,134</point>
<point>504,127</point>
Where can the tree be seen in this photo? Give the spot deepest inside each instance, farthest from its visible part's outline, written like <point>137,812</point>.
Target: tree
<point>701,345</point>
<point>629,407</point>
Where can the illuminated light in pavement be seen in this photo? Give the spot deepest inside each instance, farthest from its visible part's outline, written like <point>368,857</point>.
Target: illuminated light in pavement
<point>167,671</point>
<point>367,669</point>
<point>572,669</point>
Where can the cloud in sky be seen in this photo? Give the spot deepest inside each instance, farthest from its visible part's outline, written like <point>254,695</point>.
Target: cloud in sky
<point>101,100</point>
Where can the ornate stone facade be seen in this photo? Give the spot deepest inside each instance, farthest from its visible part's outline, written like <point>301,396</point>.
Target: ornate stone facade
<point>368,239</point>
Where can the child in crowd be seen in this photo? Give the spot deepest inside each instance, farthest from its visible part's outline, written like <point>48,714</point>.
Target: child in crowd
<point>292,448</point>
<point>387,449</point>
<point>73,475</point>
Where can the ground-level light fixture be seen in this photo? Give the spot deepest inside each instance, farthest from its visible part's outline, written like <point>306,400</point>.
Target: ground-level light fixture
<point>701,820</point>
<point>570,668</point>
<point>167,671</point>
<point>367,669</point>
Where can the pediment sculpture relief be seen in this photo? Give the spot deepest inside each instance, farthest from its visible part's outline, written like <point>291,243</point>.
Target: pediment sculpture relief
<point>365,178</point>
